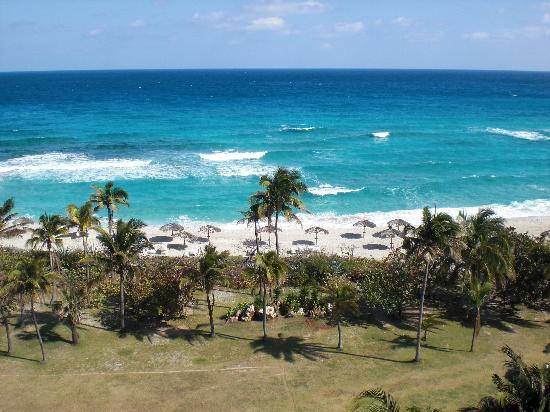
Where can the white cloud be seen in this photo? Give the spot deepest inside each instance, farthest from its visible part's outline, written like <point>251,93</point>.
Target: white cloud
<point>267,23</point>
<point>546,18</point>
<point>209,17</point>
<point>477,36</point>
<point>402,21</point>
<point>94,32</point>
<point>286,7</point>
<point>352,27</point>
<point>136,24</point>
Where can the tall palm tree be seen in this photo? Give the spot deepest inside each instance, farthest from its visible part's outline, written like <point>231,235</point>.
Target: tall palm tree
<point>50,235</point>
<point>83,219</point>
<point>10,225</point>
<point>210,270</point>
<point>30,279</point>
<point>341,294</point>
<point>282,196</point>
<point>478,293</point>
<point>524,388</point>
<point>253,216</point>
<point>436,237</point>
<point>269,268</point>
<point>122,249</point>
<point>109,198</point>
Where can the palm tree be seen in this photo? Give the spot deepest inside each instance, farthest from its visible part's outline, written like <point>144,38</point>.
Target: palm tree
<point>109,198</point>
<point>10,225</point>
<point>524,388</point>
<point>282,191</point>
<point>269,268</point>
<point>122,249</point>
<point>73,298</point>
<point>253,216</point>
<point>478,293</point>
<point>211,267</point>
<point>7,306</point>
<point>434,238</point>
<point>341,294</point>
<point>30,278</point>
<point>83,219</point>
<point>50,235</point>
<point>377,400</point>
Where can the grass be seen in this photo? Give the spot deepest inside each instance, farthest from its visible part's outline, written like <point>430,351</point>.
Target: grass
<point>178,367</point>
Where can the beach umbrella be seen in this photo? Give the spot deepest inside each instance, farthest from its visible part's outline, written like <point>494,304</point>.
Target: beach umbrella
<point>388,234</point>
<point>317,230</point>
<point>209,229</point>
<point>398,223</point>
<point>545,234</point>
<point>364,224</point>
<point>23,221</point>
<point>269,230</point>
<point>185,235</point>
<point>171,227</point>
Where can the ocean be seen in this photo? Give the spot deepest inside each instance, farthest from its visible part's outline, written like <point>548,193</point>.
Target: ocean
<point>190,145</point>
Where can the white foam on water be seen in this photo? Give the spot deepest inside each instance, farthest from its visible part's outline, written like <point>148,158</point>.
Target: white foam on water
<point>328,190</point>
<point>244,170</point>
<point>287,128</point>
<point>231,156</point>
<point>381,135</point>
<point>519,134</point>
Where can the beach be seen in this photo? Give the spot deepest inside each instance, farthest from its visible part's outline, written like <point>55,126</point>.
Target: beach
<point>238,239</point>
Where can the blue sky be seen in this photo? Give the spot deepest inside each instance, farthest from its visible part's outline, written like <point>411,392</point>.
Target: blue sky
<point>118,34</point>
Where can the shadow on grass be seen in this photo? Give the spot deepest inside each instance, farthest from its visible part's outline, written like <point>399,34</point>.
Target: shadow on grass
<point>406,341</point>
<point>47,321</point>
<point>5,355</point>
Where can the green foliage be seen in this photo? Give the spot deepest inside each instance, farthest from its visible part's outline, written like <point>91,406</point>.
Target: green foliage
<point>291,303</point>
<point>377,400</point>
<point>238,308</point>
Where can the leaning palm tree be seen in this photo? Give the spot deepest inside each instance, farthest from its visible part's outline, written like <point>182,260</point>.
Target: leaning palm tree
<point>377,400</point>
<point>434,238</point>
<point>269,269</point>
<point>210,271</point>
<point>10,225</point>
<point>30,278</point>
<point>282,194</point>
<point>341,294</point>
<point>109,198</point>
<point>50,235</point>
<point>253,216</point>
<point>524,388</point>
<point>478,294</point>
<point>83,219</point>
<point>122,249</point>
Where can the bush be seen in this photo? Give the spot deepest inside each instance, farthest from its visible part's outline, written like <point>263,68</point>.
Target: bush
<point>291,303</point>
<point>238,308</point>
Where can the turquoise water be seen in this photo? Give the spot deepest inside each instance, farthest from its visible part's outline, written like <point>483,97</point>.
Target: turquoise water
<point>192,144</point>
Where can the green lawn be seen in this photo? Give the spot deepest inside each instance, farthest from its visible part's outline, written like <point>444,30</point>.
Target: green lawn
<point>179,368</point>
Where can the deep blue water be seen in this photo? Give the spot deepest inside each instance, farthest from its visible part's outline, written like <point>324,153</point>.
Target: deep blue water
<point>456,138</point>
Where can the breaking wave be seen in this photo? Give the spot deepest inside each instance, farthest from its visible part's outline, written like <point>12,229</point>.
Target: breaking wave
<point>519,134</point>
<point>230,156</point>
<point>381,135</point>
<point>325,190</point>
<point>287,128</point>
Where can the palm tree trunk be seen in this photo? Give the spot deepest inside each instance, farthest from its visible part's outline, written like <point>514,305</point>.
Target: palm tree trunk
<point>122,320</point>
<point>210,314</point>
<point>52,266</point>
<point>38,335</point>
<point>85,248</point>
<point>420,314</point>
<point>264,317</point>
<point>74,332</point>
<point>21,309</point>
<point>477,325</point>
<point>256,236</point>
<point>340,341</point>
<point>6,323</point>
<point>110,219</point>
<point>276,233</point>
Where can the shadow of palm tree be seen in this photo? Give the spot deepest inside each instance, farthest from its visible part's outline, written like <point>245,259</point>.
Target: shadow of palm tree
<point>406,341</point>
<point>351,235</point>
<point>288,348</point>
<point>5,354</point>
<point>47,332</point>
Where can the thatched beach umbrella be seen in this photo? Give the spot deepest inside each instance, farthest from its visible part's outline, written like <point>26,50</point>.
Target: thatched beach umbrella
<point>316,230</point>
<point>398,223</point>
<point>171,227</point>
<point>388,234</point>
<point>364,224</point>
<point>269,229</point>
<point>208,229</point>
<point>185,236</point>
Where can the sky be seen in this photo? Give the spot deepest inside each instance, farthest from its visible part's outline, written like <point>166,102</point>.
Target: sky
<point>179,34</point>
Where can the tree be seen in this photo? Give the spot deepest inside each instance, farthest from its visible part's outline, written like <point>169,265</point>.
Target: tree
<point>269,268</point>
<point>524,388</point>
<point>434,238</point>
<point>8,302</point>
<point>281,196</point>
<point>83,219</point>
<point>252,216</point>
<point>10,225</point>
<point>50,235</point>
<point>30,278</point>
<point>74,293</point>
<point>122,249</point>
<point>210,270</point>
<point>478,293</point>
<point>109,198</point>
<point>341,294</point>
<point>377,400</point>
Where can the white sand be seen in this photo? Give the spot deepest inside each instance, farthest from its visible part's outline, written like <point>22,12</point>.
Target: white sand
<point>342,237</point>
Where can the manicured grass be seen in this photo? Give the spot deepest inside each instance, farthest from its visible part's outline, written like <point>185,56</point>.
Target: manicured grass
<point>180,368</point>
